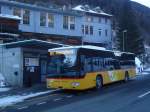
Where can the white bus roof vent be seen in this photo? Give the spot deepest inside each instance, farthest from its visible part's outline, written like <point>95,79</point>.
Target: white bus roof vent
<point>117,53</point>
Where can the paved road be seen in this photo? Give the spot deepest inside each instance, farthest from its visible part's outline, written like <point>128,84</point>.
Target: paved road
<point>133,96</point>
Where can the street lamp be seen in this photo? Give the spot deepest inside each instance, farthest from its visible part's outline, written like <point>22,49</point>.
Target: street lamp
<point>124,31</point>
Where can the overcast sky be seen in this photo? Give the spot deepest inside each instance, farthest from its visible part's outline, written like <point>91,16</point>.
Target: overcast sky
<point>144,2</point>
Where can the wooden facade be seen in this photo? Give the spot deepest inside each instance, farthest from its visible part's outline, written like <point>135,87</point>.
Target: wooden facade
<point>9,29</point>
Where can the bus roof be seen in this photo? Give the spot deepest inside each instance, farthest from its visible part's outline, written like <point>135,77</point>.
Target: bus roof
<point>77,47</point>
<point>116,53</point>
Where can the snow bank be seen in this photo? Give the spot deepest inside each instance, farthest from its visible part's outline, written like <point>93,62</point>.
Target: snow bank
<point>4,89</point>
<point>2,81</point>
<point>10,100</point>
<point>137,62</point>
<point>147,70</point>
<point>10,16</point>
<point>139,66</point>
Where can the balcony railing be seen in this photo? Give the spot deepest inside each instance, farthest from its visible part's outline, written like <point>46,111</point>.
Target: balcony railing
<point>9,29</point>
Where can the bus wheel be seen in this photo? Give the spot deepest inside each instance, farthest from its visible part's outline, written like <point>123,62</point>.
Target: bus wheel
<point>98,83</point>
<point>126,79</point>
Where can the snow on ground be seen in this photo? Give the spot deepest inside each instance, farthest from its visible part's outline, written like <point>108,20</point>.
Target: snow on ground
<point>145,73</point>
<point>10,100</point>
<point>4,89</point>
<point>147,70</point>
<point>84,9</point>
<point>2,81</point>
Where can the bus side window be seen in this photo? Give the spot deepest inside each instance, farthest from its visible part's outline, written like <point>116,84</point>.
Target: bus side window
<point>88,64</point>
<point>82,59</point>
<point>116,64</point>
<point>104,64</point>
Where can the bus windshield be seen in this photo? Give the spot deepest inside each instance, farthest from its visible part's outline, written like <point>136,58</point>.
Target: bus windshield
<point>62,63</point>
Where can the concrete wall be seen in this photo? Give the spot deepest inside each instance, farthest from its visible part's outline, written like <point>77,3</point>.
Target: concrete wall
<point>10,62</point>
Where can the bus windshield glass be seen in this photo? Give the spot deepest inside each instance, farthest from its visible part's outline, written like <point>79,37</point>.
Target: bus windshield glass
<point>62,63</point>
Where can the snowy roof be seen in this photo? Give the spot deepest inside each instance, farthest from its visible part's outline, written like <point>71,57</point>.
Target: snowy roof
<point>10,34</point>
<point>33,42</point>
<point>88,10</point>
<point>119,53</point>
<point>10,17</point>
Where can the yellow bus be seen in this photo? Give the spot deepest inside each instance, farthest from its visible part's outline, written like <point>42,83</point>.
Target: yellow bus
<point>85,67</point>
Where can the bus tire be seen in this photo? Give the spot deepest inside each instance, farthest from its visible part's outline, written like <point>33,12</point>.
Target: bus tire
<point>126,78</point>
<point>99,83</point>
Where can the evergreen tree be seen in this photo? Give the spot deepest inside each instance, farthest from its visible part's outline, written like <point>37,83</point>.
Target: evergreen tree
<point>128,28</point>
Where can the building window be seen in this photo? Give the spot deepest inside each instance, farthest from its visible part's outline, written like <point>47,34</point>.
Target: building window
<point>86,29</point>
<point>17,12</point>
<point>65,22</point>
<point>106,33</point>
<point>91,30</point>
<point>50,20</point>
<point>72,23</point>
<point>42,19</point>
<point>89,19</point>
<point>26,17</point>
<point>100,32</point>
<point>72,26</point>
<point>106,20</point>
<point>82,27</point>
<point>69,22</point>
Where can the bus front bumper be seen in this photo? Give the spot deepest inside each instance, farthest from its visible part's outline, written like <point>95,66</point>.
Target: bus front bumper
<point>64,84</point>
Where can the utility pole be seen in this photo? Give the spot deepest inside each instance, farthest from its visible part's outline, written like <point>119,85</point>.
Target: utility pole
<point>124,31</point>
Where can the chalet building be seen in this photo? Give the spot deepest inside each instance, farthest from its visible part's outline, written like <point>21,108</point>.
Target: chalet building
<point>96,26</point>
<point>55,25</point>
<point>68,26</point>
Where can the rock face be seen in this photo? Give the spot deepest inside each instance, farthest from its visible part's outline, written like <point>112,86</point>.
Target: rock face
<point>114,7</point>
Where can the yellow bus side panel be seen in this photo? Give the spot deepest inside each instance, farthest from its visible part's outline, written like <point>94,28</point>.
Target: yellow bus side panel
<point>89,81</point>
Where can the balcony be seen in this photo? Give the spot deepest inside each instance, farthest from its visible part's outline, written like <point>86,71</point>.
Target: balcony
<point>9,29</point>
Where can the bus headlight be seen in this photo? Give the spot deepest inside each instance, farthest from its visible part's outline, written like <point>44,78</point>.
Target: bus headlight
<point>75,84</point>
